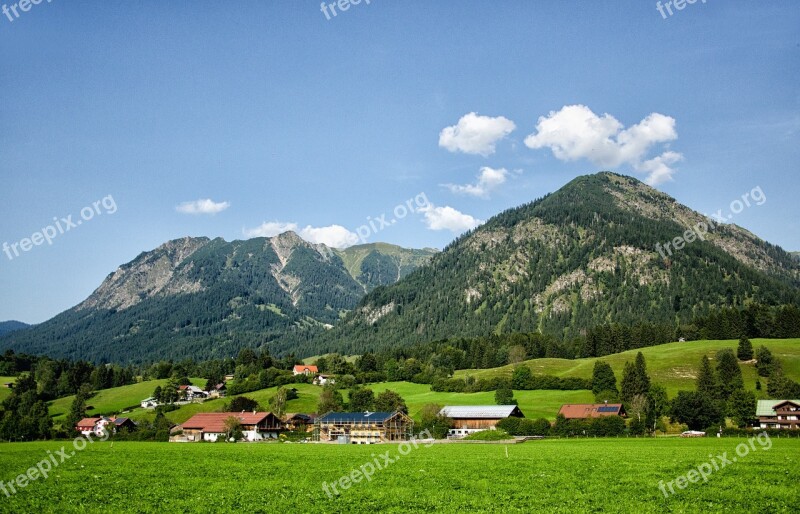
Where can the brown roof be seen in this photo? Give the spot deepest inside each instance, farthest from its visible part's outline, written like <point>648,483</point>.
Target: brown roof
<point>591,410</point>
<point>87,422</point>
<point>300,368</point>
<point>215,421</point>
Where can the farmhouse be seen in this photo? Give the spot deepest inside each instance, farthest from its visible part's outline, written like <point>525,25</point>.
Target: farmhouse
<point>97,425</point>
<point>149,403</point>
<point>591,410</point>
<point>190,392</point>
<point>363,427</point>
<point>87,426</point>
<point>476,418</point>
<point>783,414</point>
<point>218,391</point>
<point>208,426</point>
<point>302,369</point>
<point>321,380</point>
<point>298,421</point>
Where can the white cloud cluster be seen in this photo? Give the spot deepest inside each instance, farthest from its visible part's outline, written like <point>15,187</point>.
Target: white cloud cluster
<point>575,132</point>
<point>474,134</point>
<point>447,218</point>
<point>488,180</point>
<point>335,236</point>
<point>204,206</point>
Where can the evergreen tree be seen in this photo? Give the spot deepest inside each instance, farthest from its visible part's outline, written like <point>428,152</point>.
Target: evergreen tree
<point>504,396</point>
<point>603,378</point>
<point>728,373</point>
<point>745,350</point>
<point>765,363</point>
<point>77,410</point>
<point>707,379</point>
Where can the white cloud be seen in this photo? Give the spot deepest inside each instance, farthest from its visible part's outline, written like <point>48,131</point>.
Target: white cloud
<point>488,180</point>
<point>475,134</point>
<point>334,236</point>
<point>270,229</point>
<point>447,218</point>
<point>205,206</point>
<point>575,132</point>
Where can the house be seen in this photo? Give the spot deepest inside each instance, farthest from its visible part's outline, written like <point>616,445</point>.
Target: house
<point>88,426</point>
<point>98,425</point>
<point>228,378</point>
<point>191,392</point>
<point>363,427</point>
<point>591,410</point>
<point>476,418</point>
<point>8,385</point>
<point>321,380</point>
<point>302,369</point>
<point>218,391</point>
<point>781,414</point>
<point>149,403</point>
<point>299,422</point>
<point>123,424</point>
<point>209,426</point>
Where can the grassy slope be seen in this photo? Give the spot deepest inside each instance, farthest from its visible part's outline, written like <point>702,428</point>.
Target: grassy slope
<point>113,400</point>
<point>5,393</point>
<point>673,365</point>
<point>603,475</point>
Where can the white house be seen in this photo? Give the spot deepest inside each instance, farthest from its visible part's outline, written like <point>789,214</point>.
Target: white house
<point>149,403</point>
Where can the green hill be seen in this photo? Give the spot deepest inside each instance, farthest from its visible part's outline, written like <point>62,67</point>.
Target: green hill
<point>673,365</point>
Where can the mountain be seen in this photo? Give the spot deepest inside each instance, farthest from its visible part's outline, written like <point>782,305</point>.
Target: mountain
<point>582,256</point>
<point>6,327</point>
<point>796,255</point>
<point>206,298</point>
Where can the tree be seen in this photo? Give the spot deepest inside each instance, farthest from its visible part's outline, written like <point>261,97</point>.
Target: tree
<point>765,363</point>
<point>745,350</point>
<point>657,406</point>
<point>635,380</point>
<point>367,363</point>
<point>638,407</point>
<point>389,401</point>
<point>729,374</point>
<point>504,396</point>
<point>781,388</point>
<point>435,423</point>
<point>77,410</point>
<point>517,354</point>
<point>522,377</point>
<point>742,407</point>
<point>696,410</point>
<point>603,378</point>
<point>362,399</point>
<point>233,428</point>
<point>242,404</point>
<point>330,400</point>
<point>707,379</point>
<point>277,404</point>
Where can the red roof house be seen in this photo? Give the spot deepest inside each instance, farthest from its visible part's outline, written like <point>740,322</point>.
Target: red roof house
<point>208,426</point>
<point>302,369</point>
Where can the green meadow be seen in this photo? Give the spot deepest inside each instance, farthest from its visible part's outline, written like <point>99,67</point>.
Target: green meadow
<point>594,475</point>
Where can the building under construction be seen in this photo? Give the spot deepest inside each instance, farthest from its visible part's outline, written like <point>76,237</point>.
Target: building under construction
<point>363,427</point>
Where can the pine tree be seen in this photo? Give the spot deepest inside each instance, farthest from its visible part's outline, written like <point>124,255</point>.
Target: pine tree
<point>603,378</point>
<point>707,379</point>
<point>729,374</point>
<point>745,350</point>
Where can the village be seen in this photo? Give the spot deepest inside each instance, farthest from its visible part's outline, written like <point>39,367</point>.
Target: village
<point>368,427</point>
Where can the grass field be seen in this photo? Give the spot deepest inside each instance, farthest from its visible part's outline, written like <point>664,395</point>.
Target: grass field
<point>596,475</point>
<point>672,365</point>
<point>5,393</point>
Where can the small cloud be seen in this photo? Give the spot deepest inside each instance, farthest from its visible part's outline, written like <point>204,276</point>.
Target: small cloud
<point>206,206</point>
<point>575,132</point>
<point>334,236</point>
<point>474,134</point>
<point>270,229</point>
<point>447,218</point>
<point>488,180</point>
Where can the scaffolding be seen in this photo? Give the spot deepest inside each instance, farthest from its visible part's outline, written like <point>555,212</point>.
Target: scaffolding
<point>363,427</point>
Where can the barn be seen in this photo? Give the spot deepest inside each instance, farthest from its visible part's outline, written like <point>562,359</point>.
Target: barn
<point>475,418</point>
<point>208,426</point>
<point>591,410</point>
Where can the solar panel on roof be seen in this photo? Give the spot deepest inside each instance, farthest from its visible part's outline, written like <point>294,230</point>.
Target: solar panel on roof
<point>606,408</point>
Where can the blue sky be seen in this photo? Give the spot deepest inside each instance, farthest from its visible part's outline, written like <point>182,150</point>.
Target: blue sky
<point>283,118</point>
